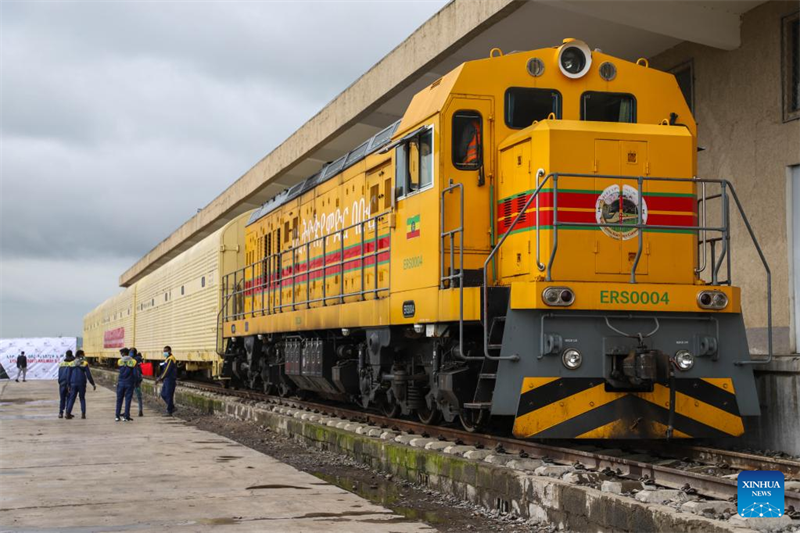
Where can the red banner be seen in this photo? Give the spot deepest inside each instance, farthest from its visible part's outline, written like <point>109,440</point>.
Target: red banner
<point>114,338</point>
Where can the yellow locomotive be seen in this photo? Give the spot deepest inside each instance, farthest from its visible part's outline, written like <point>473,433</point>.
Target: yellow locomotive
<point>529,243</point>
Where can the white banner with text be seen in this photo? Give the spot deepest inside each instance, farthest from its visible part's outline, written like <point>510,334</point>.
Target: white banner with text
<point>43,355</point>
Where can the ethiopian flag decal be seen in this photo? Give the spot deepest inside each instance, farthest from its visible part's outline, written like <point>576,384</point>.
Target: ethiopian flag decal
<point>412,227</point>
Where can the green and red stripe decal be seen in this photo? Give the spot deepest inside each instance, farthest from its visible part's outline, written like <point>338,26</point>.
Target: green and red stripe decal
<point>315,268</point>
<point>682,209</point>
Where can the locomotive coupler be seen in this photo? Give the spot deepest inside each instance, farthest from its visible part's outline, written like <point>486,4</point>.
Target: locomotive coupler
<point>638,369</point>
<point>640,365</point>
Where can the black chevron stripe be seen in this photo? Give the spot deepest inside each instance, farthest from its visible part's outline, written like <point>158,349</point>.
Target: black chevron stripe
<point>553,392</point>
<point>708,393</point>
<point>630,408</point>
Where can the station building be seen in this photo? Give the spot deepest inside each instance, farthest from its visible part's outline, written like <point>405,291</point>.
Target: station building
<point>738,64</point>
<point>746,103</point>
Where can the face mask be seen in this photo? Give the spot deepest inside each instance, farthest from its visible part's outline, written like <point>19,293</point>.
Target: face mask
<point>166,354</point>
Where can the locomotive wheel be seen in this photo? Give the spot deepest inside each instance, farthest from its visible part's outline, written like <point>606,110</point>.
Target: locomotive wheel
<point>473,420</point>
<point>390,409</point>
<point>284,390</point>
<point>301,394</point>
<point>429,416</point>
<point>269,388</point>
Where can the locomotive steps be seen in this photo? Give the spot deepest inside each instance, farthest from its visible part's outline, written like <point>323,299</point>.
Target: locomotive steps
<point>574,499</point>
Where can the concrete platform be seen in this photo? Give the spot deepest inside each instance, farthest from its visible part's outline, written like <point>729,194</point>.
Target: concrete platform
<point>154,474</point>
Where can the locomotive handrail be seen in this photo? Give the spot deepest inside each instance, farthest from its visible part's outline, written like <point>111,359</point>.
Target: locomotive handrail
<point>640,225</point>
<point>769,281</point>
<point>220,315</point>
<point>451,235</point>
<point>539,264</point>
<point>489,258</point>
<point>266,280</point>
<point>724,230</point>
<point>725,186</point>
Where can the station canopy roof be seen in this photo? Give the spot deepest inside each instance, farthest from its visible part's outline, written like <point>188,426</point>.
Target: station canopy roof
<point>462,30</point>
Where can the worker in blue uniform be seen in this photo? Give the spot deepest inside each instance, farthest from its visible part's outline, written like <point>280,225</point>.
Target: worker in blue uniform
<point>125,383</point>
<point>63,382</point>
<point>79,374</point>
<point>169,375</point>
<point>137,385</point>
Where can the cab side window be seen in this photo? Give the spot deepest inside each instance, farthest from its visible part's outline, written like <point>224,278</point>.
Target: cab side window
<point>415,163</point>
<point>467,140</point>
<point>608,107</point>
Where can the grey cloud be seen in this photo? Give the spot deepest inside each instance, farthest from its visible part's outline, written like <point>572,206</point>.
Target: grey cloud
<point>40,297</point>
<point>120,119</point>
<point>314,46</point>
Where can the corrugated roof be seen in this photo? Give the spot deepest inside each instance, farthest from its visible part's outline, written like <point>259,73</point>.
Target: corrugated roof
<point>374,143</point>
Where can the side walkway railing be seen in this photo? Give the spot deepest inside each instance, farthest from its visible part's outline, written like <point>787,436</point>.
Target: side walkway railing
<point>727,191</point>
<point>264,284</point>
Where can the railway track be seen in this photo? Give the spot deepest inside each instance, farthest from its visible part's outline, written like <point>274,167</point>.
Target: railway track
<point>718,487</point>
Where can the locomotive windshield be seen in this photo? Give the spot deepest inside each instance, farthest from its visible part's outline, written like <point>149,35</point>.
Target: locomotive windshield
<point>608,107</point>
<point>525,104</point>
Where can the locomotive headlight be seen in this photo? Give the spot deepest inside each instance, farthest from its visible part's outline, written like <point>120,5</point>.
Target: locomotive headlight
<point>574,58</point>
<point>558,296</point>
<point>712,300</point>
<point>571,358</point>
<point>720,300</point>
<point>684,360</point>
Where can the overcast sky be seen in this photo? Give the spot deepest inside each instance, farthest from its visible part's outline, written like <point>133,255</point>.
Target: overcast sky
<point>120,119</point>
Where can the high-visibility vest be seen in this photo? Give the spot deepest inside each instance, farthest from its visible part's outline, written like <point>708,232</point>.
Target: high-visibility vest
<point>472,155</point>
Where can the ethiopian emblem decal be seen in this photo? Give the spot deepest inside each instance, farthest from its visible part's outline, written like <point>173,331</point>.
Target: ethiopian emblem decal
<point>612,207</point>
<point>412,227</point>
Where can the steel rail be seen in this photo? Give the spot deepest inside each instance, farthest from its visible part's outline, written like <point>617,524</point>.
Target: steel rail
<point>674,478</point>
<point>734,459</point>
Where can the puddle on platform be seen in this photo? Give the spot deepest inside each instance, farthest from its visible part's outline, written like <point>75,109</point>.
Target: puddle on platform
<point>226,458</point>
<point>89,529</point>
<point>344,516</point>
<point>275,486</point>
<point>27,417</point>
<point>216,521</point>
<point>381,492</point>
<point>26,401</point>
